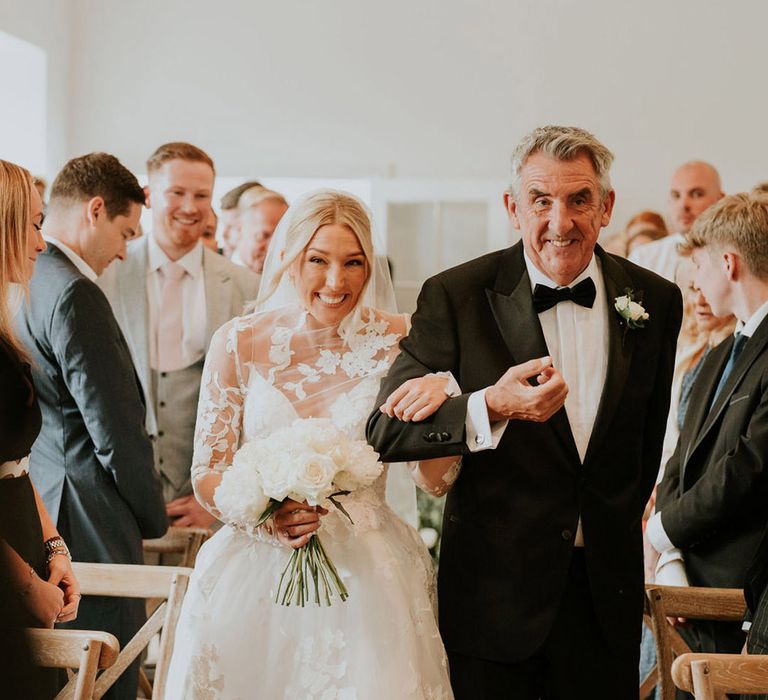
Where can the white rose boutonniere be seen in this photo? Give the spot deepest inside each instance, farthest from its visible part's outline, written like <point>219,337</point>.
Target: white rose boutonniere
<point>631,310</point>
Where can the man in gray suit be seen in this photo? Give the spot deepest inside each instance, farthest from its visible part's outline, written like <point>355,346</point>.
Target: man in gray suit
<point>169,296</point>
<point>92,462</point>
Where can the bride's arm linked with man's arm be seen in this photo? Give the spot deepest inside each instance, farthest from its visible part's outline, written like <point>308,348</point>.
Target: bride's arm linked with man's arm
<point>220,420</point>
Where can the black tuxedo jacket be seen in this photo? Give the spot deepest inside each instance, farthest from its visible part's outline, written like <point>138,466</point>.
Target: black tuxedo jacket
<point>511,516</point>
<point>714,496</point>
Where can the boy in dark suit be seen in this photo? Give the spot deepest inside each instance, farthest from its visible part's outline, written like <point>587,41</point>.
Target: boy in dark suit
<point>710,505</point>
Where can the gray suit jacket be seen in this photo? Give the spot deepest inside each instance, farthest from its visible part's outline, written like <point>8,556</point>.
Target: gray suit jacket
<point>228,287</point>
<point>92,462</point>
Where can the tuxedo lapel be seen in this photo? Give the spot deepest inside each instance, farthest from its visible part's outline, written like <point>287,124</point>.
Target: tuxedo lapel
<point>218,293</point>
<point>754,347</point>
<point>511,302</point>
<point>701,398</point>
<point>621,341</point>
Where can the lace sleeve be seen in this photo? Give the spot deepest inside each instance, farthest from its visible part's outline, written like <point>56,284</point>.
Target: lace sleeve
<point>219,415</point>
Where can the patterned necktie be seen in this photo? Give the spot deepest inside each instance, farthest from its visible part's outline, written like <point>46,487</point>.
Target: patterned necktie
<point>170,329</point>
<point>739,341</point>
<point>545,298</point>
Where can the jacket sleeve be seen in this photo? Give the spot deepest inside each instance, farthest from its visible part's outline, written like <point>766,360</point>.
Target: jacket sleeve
<point>97,370</point>
<point>431,346</point>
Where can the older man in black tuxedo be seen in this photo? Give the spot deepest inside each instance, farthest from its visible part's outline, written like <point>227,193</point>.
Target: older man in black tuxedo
<point>566,390</point>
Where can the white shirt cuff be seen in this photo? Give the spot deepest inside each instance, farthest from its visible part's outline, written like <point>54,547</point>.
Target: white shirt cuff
<point>656,534</point>
<point>481,435</point>
<point>670,571</point>
<point>746,626</point>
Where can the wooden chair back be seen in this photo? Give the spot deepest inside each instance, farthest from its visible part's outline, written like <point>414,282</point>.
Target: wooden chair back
<point>87,651</point>
<point>711,676</point>
<point>723,604</point>
<point>185,541</point>
<point>138,581</point>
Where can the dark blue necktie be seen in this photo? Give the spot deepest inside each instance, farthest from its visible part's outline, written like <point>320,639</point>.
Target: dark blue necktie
<point>739,341</point>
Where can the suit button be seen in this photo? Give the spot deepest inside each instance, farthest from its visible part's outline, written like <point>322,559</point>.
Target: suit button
<point>445,436</point>
<point>479,439</point>
<point>163,374</point>
<point>160,433</point>
<point>566,535</point>
<point>162,404</point>
<point>160,460</point>
<point>432,437</point>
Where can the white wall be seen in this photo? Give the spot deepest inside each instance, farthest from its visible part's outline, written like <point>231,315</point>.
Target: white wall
<point>46,24</point>
<point>426,88</point>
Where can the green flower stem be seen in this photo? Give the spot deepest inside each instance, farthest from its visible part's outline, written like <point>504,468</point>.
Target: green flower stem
<point>309,568</point>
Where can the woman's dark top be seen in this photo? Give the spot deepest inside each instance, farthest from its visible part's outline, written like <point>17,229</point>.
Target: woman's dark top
<point>20,417</point>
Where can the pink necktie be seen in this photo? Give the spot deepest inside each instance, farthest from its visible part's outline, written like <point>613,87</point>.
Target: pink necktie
<point>170,330</point>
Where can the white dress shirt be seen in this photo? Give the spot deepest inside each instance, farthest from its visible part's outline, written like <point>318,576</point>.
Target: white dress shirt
<point>194,311</point>
<point>76,260</point>
<point>660,256</point>
<point>577,342</point>
<point>670,569</point>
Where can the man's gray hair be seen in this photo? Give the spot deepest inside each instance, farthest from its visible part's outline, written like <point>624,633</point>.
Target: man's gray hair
<point>562,143</point>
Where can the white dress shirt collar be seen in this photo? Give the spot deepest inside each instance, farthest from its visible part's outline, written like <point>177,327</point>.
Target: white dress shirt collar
<point>538,277</point>
<point>748,329</point>
<point>74,258</point>
<point>192,261</point>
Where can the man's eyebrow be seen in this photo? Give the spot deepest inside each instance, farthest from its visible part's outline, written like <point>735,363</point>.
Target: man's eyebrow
<point>533,192</point>
<point>584,192</point>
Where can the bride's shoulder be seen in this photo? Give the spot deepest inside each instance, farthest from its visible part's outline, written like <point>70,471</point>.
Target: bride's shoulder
<point>395,323</point>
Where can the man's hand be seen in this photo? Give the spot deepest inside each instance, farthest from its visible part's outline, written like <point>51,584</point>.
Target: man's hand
<point>188,512</point>
<point>514,398</point>
<point>295,522</point>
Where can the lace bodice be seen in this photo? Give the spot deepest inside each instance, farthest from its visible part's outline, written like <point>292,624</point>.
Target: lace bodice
<point>265,370</point>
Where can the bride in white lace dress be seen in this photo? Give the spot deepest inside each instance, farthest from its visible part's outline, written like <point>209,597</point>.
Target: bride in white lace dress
<point>317,346</point>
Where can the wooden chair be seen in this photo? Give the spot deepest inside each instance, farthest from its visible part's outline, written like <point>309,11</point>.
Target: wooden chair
<point>185,541</point>
<point>723,604</point>
<point>139,581</point>
<point>87,651</point>
<point>711,676</point>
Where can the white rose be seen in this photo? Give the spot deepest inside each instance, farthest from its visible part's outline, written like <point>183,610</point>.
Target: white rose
<point>240,496</point>
<point>622,302</point>
<point>314,478</point>
<point>428,536</point>
<point>278,474</point>
<point>361,466</point>
<point>637,312</point>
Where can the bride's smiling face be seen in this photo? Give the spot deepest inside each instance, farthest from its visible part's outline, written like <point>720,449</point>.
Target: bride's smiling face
<point>330,274</point>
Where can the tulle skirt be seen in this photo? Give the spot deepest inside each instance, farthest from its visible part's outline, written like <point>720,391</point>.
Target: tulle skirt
<point>234,642</point>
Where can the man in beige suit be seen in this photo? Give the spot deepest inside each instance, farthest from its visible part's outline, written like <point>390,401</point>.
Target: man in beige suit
<point>169,296</point>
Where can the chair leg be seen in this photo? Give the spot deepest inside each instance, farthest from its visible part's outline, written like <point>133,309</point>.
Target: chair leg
<point>702,682</point>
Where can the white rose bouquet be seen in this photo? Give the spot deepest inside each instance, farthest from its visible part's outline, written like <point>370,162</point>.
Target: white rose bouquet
<point>311,461</point>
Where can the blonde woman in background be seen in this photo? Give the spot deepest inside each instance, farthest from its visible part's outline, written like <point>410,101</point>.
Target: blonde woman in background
<point>36,556</point>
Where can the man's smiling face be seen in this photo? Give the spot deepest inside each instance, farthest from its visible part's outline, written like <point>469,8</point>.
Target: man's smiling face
<point>559,211</point>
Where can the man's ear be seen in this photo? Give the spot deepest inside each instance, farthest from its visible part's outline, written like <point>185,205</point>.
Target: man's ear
<point>511,206</point>
<point>608,202</point>
<point>94,209</point>
<point>733,266</point>
<point>146,197</point>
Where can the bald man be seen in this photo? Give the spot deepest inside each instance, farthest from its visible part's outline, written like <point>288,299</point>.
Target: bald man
<point>694,187</point>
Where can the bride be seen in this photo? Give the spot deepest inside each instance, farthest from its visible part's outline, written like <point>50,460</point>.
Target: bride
<point>322,336</point>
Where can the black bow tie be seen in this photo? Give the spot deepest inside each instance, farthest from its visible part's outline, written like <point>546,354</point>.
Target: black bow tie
<point>582,294</point>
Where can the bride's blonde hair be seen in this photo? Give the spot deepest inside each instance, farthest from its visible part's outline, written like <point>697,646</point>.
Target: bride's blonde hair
<point>303,220</point>
<point>15,212</point>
